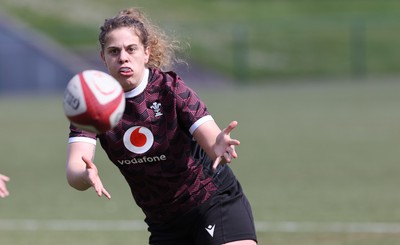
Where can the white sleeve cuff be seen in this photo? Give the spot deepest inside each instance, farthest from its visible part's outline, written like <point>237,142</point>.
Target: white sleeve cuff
<point>200,122</point>
<point>82,139</point>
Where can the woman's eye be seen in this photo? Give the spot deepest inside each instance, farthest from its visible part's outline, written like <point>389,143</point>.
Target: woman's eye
<point>113,51</point>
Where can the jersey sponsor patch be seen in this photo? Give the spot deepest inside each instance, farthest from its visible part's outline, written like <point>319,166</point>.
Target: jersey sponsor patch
<point>138,139</point>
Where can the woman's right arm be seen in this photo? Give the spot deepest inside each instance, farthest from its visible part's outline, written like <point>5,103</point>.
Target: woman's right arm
<point>77,175</point>
<point>81,171</point>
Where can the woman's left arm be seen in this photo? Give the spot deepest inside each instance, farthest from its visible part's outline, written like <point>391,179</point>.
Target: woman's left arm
<point>217,143</point>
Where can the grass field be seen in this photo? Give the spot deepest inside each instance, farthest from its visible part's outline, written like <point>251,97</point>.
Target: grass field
<point>314,155</point>
<point>318,161</point>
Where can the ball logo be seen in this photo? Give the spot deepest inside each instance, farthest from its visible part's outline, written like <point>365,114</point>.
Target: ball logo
<point>71,100</point>
<point>138,139</point>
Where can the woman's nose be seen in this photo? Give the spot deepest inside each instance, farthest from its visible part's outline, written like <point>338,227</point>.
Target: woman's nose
<point>123,57</point>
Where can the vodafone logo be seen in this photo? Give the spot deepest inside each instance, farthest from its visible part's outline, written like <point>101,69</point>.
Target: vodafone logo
<point>138,139</point>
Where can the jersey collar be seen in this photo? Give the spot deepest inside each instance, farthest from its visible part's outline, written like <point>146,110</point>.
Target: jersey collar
<point>139,89</point>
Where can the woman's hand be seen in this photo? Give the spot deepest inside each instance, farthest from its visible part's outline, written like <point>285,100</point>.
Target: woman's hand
<point>94,179</point>
<point>225,146</point>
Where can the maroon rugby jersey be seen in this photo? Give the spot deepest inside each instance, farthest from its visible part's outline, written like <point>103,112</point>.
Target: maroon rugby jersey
<point>153,147</point>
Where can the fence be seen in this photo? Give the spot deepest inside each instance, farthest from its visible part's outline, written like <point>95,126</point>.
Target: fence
<point>298,49</point>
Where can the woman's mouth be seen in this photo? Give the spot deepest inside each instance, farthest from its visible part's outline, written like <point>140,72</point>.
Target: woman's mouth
<point>125,71</point>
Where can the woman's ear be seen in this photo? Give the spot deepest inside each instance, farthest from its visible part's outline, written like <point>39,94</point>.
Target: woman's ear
<point>147,54</point>
<point>103,58</point>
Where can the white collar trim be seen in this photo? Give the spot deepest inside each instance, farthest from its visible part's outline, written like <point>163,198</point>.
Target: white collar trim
<point>139,89</point>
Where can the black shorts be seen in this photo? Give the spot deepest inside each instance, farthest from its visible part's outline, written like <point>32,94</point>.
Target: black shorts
<point>226,217</point>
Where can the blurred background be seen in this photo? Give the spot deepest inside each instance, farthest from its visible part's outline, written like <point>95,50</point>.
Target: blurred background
<point>313,84</point>
<point>256,42</point>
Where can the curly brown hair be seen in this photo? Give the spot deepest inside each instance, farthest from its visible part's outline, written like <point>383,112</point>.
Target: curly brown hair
<point>162,47</point>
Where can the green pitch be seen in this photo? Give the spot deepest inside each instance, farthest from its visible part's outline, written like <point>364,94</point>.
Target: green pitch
<point>313,153</point>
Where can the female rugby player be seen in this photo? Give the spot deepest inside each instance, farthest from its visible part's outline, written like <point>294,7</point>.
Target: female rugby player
<point>167,145</point>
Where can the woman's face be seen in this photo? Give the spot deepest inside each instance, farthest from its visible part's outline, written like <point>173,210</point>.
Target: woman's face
<point>125,57</point>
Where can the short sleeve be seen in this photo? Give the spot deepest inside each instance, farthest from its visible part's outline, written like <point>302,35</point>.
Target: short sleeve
<point>191,110</point>
<point>79,135</point>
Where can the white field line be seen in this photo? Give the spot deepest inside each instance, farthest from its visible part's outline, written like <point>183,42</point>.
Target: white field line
<point>138,225</point>
<point>368,227</point>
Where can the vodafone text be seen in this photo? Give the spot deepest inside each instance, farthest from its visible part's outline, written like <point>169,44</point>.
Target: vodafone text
<point>144,159</point>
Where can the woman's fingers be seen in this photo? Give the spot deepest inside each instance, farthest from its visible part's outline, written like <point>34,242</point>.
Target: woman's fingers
<point>94,178</point>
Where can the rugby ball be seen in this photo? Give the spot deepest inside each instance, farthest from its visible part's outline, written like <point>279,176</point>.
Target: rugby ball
<point>94,101</point>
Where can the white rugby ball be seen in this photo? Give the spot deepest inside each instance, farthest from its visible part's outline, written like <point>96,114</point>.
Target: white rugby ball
<point>94,101</point>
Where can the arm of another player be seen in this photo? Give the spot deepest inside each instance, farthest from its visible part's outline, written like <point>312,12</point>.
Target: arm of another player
<point>3,187</point>
<point>218,144</point>
<point>81,171</point>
